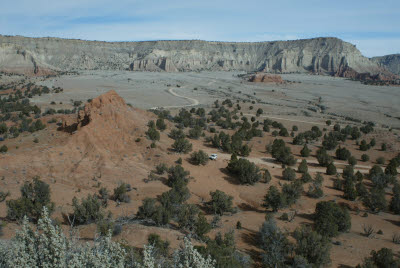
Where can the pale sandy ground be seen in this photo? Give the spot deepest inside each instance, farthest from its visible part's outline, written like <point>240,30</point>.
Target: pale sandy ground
<point>146,90</point>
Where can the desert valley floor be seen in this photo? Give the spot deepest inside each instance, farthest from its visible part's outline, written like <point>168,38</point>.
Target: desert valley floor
<point>113,148</point>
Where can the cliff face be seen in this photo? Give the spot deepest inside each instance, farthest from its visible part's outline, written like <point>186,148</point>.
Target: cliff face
<point>43,55</point>
<point>390,62</point>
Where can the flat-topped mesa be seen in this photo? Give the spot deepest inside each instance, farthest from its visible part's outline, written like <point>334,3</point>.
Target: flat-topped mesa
<point>317,55</point>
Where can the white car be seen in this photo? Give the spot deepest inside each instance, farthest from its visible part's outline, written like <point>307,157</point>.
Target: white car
<point>213,156</point>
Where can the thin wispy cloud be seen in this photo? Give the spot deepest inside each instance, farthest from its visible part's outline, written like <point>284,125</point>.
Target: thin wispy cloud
<point>371,25</point>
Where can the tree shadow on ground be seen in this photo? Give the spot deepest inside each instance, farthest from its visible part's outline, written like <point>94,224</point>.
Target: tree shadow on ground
<point>228,177</point>
<point>397,223</point>
<point>250,237</point>
<point>305,216</point>
<point>248,207</point>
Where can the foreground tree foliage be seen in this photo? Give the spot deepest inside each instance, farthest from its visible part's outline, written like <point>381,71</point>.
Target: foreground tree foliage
<point>49,247</point>
<point>34,196</point>
<point>330,219</point>
<point>223,250</point>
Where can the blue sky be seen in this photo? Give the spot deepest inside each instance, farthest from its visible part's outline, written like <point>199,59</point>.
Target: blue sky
<point>374,26</point>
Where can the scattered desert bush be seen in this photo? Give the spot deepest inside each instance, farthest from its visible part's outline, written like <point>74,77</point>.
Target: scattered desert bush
<point>220,202</point>
<point>88,211</point>
<point>267,176</point>
<point>364,146</point>
<point>314,247</point>
<point>182,145</point>
<point>160,124</point>
<point>368,230</point>
<point>282,153</point>
<point>396,238</point>
<point>395,201</point>
<point>352,161</point>
<point>364,158</point>
<point>305,177</point>
<point>381,258</point>
<point>186,217</point>
<point>323,158</point>
<point>195,132</point>
<point>177,177</point>
<point>152,133</point>
<point>273,199</point>
<point>383,147</point>
<point>331,169</point>
<point>330,219</point>
<point>245,171</point>
<point>274,243</point>
<point>222,249</point>
<point>380,160</point>
<point>177,134</point>
<point>291,192</point>
<point>199,158</point>
<point>104,195</point>
<point>3,149</point>
<point>342,153</point>
<point>303,168</point>
<point>160,246</point>
<point>106,226</point>
<point>34,196</point>
<point>161,169</point>
<point>202,226</point>
<point>315,190</point>
<point>120,193</point>
<point>375,200</point>
<point>305,152</point>
<point>289,174</point>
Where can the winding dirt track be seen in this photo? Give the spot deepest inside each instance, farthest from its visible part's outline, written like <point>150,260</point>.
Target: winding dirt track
<point>269,161</point>
<point>194,102</point>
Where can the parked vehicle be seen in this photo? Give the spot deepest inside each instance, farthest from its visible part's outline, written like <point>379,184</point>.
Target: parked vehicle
<point>213,156</point>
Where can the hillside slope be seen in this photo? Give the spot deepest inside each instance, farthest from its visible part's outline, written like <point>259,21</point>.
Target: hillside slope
<point>44,55</point>
<point>390,62</point>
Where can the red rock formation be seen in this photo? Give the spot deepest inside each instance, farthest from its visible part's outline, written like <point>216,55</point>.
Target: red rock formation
<point>266,78</point>
<point>347,72</point>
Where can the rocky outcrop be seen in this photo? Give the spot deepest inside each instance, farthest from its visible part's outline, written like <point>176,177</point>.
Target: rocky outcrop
<point>384,75</point>
<point>265,78</point>
<point>318,55</point>
<point>390,62</point>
